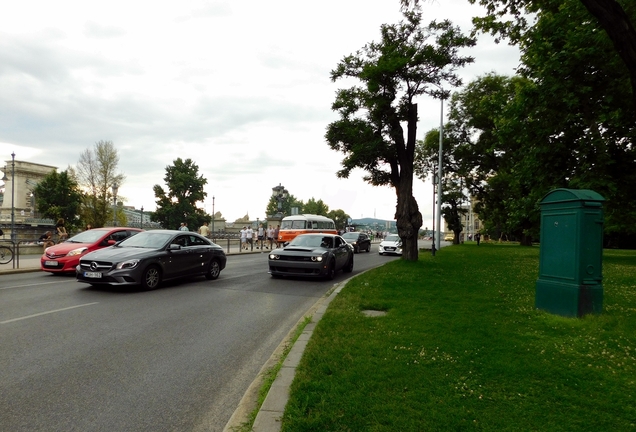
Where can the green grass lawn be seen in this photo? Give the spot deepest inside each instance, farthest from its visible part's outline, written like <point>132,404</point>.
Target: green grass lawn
<point>463,348</point>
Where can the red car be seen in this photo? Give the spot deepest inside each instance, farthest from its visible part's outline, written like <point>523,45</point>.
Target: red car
<point>64,257</point>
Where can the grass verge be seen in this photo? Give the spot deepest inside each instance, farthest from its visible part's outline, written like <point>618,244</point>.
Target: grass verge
<point>463,348</point>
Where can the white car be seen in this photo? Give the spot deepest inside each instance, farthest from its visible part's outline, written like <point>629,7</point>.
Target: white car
<point>392,244</point>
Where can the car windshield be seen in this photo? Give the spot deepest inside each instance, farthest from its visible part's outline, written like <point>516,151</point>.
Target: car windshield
<point>90,236</point>
<point>392,238</point>
<point>312,241</point>
<point>350,236</point>
<point>147,239</point>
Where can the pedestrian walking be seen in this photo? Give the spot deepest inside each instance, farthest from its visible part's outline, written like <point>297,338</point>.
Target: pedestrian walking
<point>204,230</point>
<point>249,235</point>
<point>270,236</point>
<point>244,238</point>
<point>478,238</point>
<point>260,237</point>
<point>276,232</point>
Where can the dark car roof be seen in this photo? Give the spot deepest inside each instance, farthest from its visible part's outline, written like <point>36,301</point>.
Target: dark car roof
<point>114,228</point>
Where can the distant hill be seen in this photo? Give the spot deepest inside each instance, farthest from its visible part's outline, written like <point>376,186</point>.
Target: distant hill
<point>375,224</point>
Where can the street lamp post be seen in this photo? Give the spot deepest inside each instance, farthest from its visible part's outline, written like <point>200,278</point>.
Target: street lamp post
<point>12,197</point>
<point>433,234</point>
<point>213,216</point>
<point>115,188</point>
<point>141,218</point>
<point>440,171</point>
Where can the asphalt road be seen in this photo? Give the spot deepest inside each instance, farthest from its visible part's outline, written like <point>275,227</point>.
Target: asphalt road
<point>77,358</point>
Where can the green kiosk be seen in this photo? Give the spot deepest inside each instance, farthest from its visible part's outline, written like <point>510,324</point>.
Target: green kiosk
<point>571,254</point>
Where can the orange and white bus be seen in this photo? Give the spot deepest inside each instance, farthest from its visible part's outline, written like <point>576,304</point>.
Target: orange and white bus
<point>291,226</point>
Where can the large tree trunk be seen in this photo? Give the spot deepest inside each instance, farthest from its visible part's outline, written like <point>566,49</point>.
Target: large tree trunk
<point>409,221</point>
<point>615,21</point>
<point>407,215</point>
<point>525,240</point>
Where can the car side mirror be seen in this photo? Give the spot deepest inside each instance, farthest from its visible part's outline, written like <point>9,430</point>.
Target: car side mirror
<point>173,246</point>
<point>110,242</point>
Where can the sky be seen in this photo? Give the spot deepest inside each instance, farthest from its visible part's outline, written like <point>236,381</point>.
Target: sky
<point>240,87</point>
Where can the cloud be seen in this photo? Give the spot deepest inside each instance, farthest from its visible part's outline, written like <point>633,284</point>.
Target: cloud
<point>242,88</point>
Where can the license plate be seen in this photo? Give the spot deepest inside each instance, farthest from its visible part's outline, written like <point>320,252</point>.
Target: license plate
<point>51,263</point>
<point>92,275</point>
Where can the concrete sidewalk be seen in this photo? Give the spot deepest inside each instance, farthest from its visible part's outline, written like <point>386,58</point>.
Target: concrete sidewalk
<point>21,264</point>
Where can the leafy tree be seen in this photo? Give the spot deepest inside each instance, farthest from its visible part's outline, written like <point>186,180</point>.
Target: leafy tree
<point>582,110</point>
<point>395,71</point>
<point>315,207</point>
<point>455,175</point>
<point>179,202</point>
<point>57,196</point>
<point>339,217</point>
<point>566,123</point>
<point>97,173</point>
<point>454,198</point>
<point>509,19</point>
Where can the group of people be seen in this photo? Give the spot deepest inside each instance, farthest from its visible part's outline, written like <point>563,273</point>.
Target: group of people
<point>262,237</point>
<point>46,239</point>
<point>265,238</point>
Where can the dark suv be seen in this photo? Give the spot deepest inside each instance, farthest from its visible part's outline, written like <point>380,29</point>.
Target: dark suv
<point>359,240</point>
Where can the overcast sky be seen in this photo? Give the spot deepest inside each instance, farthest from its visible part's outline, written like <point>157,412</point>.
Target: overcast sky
<point>240,87</point>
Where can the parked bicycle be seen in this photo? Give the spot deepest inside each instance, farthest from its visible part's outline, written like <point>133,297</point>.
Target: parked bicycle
<point>6,254</point>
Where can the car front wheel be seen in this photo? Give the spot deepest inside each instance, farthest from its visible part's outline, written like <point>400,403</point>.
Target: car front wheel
<point>331,270</point>
<point>214,271</point>
<point>151,278</point>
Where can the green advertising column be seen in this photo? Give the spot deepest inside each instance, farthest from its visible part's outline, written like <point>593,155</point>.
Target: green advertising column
<point>571,255</point>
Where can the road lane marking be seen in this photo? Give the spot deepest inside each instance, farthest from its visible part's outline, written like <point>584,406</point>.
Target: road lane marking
<point>46,313</point>
<point>29,285</point>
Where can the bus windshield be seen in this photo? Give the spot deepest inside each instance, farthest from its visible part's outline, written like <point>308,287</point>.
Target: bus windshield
<point>294,224</point>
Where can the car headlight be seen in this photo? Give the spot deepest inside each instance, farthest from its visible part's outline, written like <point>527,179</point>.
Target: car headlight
<point>77,251</point>
<point>274,256</point>
<point>127,264</point>
<point>316,258</point>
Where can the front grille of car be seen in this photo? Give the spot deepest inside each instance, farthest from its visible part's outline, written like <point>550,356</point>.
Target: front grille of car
<point>309,271</point>
<point>389,248</point>
<point>53,255</point>
<point>98,266</point>
<point>294,258</point>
